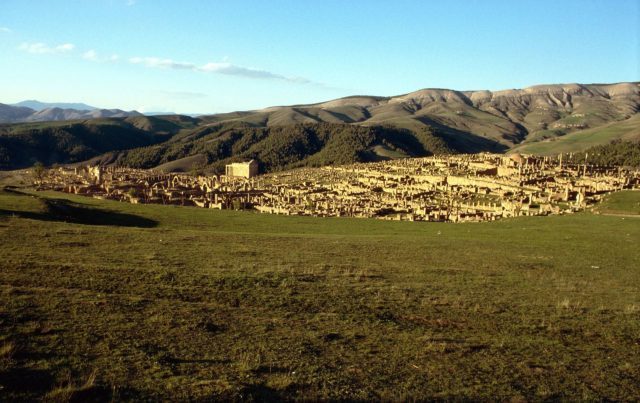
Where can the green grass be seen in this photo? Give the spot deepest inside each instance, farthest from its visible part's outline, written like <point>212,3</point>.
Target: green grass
<point>183,303</point>
<point>541,135</point>
<point>620,203</point>
<point>583,139</point>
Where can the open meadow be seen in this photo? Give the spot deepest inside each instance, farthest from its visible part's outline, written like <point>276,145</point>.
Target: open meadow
<point>103,300</point>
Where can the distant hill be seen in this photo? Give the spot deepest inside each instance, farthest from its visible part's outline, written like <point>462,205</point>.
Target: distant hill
<point>11,114</point>
<point>544,119</point>
<point>19,114</point>
<point>58,114</point>
<point>282,147</point>
<point>22,145</point>
<point>506,117</point>
<point>38,106</point>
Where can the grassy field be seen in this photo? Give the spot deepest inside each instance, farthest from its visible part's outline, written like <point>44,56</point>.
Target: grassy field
<point>620,203</point>
<point>102,300</point>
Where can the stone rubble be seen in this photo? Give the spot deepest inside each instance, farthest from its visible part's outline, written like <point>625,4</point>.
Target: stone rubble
<point>457,188</point>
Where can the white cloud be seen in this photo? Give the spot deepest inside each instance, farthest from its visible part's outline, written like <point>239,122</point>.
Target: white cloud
<point>93,56</point>
<point>156,62</point>
<point>224,67</point>
<point>5,30</point>
<point>41,48</point>
<point>215,67</point>
<point>131,3</point>
<point>233,70</point>
<point>67,47</point>
<point>90,55</point>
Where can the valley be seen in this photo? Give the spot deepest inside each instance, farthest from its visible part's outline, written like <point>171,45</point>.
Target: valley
<point>372,201</point>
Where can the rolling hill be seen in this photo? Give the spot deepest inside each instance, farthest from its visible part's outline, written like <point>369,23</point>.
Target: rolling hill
<point>544,119</point>
<point>12,114</point>
<point>38,106</point>
<point>281,147</point>
<point>34,111</point>
<point>504,117</point>
<point>628,129</point>
<point>68,142</point>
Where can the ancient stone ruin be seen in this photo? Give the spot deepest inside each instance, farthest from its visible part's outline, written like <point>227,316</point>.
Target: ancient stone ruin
<point>474,187</point>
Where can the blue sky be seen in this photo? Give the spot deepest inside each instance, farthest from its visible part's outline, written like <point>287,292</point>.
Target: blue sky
<point>219,56</point>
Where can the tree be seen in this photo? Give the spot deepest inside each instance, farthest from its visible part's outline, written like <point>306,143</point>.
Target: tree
<point>197,168</point>
<point>39,171</point>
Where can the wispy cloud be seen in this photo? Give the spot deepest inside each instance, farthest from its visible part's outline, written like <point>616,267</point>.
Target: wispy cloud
<point>41,48</point>
<point>5,30</point>
<point>224,67</point>
<point>131,3</point>
<point>233,70</point>
<point>156,62</point>
<point>93,56</point>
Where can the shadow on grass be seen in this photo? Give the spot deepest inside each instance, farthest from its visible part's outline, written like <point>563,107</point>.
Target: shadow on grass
<point>261,393</point>
<point>39,385</point>
<point>66,211</point>
<point>26,380</point>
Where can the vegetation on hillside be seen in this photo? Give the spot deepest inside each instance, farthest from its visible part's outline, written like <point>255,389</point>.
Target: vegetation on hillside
<point>616,153</point>
<point>49,143</point>
<point>281,147</point>
<point>581,140</point>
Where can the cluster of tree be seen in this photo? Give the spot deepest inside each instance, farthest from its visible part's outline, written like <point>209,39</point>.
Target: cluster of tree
<point>283,147</point>
<point>23,145</point>
<point>149,142</point>
<point>616,153</point>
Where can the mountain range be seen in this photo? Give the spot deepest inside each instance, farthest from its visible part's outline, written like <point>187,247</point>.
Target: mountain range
<point>34,111</point>
<point>510,118</point>
<point>542,119</point>
<point>38,106</point>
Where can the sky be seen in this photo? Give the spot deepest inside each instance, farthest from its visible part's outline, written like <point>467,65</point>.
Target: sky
<point>221,56</point>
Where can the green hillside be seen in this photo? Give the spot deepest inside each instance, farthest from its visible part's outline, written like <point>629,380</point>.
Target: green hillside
<point>579,141</point>
<point>22,145</point>
<point>281,147</point>
<point>104,301</point>
<point>616,153</point>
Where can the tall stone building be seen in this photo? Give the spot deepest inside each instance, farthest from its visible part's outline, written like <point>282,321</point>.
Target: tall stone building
<point>242,169</point>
